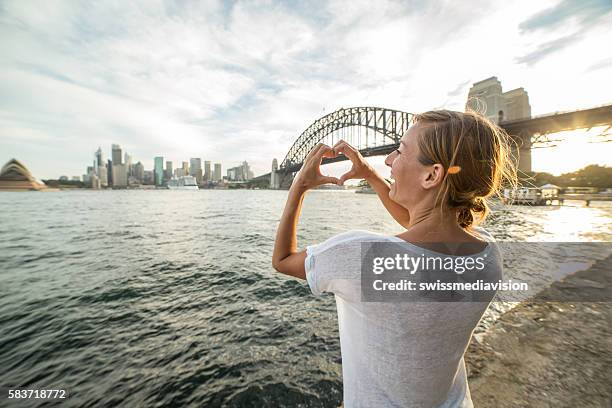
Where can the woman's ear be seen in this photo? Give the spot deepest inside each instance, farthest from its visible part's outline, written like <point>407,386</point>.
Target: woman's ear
<point>433,176</point>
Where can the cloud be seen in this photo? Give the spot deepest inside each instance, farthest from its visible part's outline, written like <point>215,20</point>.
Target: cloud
<point>576,17</point>
<point>548,48</point>
<point>604,63</point>
<point>585,12</point>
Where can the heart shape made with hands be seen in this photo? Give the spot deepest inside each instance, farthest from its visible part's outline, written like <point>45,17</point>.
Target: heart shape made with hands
<point>359,166</point>
<point>332,154</point>
<point>311,176</point>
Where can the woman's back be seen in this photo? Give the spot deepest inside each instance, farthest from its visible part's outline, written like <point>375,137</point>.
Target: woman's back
<point>396,354</point>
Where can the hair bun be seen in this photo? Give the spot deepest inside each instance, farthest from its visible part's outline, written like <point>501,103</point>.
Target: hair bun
<point>478,205</point>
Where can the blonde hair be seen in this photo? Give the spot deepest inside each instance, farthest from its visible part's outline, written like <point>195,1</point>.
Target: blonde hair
<point>476,157</point>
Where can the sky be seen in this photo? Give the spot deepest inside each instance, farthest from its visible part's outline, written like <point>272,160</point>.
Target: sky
<point>233,81</point>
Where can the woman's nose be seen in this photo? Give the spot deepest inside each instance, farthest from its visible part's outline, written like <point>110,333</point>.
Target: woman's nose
<point>389,159</point>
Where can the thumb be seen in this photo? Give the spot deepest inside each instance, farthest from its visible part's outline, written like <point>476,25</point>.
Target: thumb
<point>346,176</point>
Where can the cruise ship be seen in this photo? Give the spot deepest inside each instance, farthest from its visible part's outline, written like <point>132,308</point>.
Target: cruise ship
<point>183,183</point>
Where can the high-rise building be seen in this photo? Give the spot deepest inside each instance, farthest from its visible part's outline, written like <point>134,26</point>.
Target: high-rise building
<point>138,172</point>
<point>149,177</point>
<point>207,173</point>
<point>120,177</point>
<point>217,174</point>
<point>116,154</point>
<point>103,175</point>
<point>240,173</point>
<point>91,171</point>
<point>158,170</point>
<point>168,170</point>
<point>194,165</point>
<point>195,168</point>
<point>109,172</point>
<point>94,182</point>
<point>127,160</point>
<point>185,168</point>
<point>99,158</point>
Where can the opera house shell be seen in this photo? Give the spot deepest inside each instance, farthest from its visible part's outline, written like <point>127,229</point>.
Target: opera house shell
<point>14,176</point>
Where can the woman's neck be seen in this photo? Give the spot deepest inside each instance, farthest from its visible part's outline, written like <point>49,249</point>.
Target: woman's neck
<point>433,218</point>
<point>435,225</point>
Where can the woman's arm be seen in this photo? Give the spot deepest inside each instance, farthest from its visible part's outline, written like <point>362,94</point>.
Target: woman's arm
<point>286,258</point>
<point>382,188</point>
<point>361,169</point>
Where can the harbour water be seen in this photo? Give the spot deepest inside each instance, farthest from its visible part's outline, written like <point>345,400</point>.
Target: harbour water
<point>161,298</point>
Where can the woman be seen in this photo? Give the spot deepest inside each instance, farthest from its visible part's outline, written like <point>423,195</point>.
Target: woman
<point>407,354</point>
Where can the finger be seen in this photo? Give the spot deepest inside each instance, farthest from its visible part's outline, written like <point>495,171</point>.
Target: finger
<point>339,142</point>
<point>344,142</point>
<point>320,150</point>
<point>346,176</point>
<point>329,180</point>
<point>346,149</point>
<point>314,151</point>
<point>327,151</point>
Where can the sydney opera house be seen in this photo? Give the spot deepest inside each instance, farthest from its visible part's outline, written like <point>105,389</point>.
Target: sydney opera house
<point>14,176</point>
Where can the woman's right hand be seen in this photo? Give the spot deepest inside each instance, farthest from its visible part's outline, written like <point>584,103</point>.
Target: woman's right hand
<point>361,169</point>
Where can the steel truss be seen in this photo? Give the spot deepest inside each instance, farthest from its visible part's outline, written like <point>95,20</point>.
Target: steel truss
<point>362,127</point>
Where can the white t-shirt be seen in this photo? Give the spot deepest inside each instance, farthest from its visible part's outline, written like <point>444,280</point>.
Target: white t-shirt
<point>407,354</point>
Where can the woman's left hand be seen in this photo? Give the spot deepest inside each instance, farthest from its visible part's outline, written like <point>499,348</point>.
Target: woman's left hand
<point>310,174</point>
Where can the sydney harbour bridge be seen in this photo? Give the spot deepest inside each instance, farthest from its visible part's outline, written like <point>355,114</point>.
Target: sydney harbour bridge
<point>377,131</point>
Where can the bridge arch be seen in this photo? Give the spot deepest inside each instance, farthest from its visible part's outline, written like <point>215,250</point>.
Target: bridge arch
<point>387,125</point>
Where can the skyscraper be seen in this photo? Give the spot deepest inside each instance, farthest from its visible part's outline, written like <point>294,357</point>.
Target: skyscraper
<point>240,173</point>
<point>103,175</point>
<point>194,165</point>
<point>109,172</point>
<point>195,168</point>
<point>247,174</point>
<point>217,175</point>
<point>185,169</point>
<point>116,154</point>
<point>99,158</point>
<point>139,172</point>
<point>168,170</point>
<point>207,173</point>
<point>158,170</point>
<point>128,163</point>
<point>128,159</point>
<point>120,177</point>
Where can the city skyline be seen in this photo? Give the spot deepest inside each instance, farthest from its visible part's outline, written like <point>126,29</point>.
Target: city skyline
<point>241,81</point>
<point>210,170</point>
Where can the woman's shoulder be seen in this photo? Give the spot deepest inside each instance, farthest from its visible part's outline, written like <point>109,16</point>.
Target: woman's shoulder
<point>482,233</point>
<point>360,235</point>
<point>351,237</point>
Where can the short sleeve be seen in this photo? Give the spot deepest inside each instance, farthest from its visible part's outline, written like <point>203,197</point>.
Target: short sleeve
<point>309,266</point>
<point>332,266</point>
